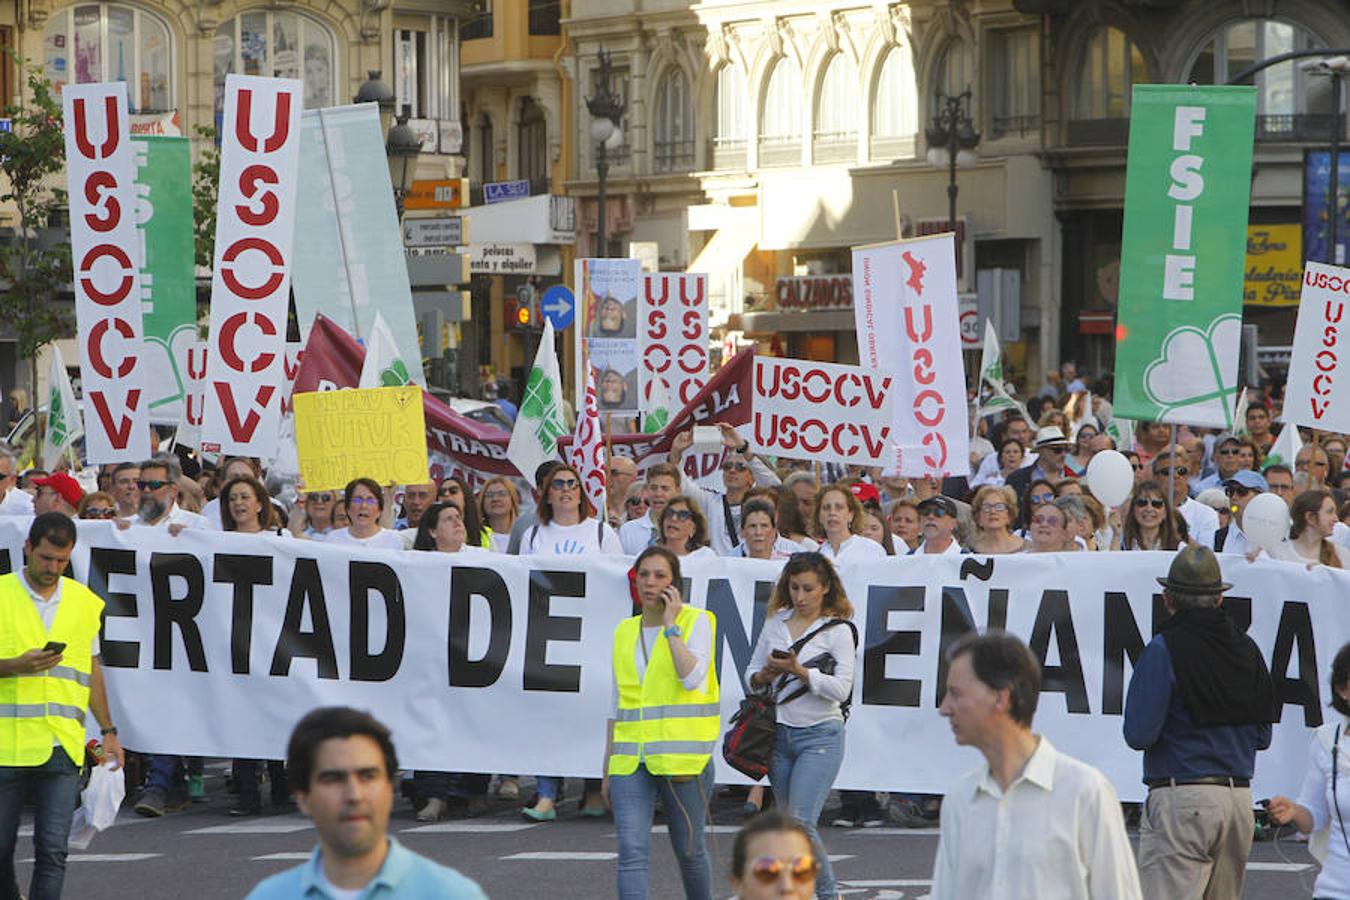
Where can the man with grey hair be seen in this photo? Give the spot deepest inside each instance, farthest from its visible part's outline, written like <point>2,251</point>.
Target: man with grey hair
<point>13,500</point>
<point>1200,705</point>
<point>159,496</point>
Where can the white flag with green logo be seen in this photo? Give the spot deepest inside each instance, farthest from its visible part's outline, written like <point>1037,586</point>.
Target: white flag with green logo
<point>991,374</point>
<point>541,420</point>
<point>385,365</point>
<point>657,407</point>
<point>1285,449</point>
<point>63,416</point>
<point>1240,417</point>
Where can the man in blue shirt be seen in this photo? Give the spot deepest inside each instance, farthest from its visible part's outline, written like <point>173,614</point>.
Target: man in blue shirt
<point>1200,704</point>
<point>342,765</point>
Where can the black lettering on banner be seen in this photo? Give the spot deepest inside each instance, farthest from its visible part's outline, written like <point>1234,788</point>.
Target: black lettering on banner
<point>880,642</point>
<point>1054,617</point>
<point>105,561</point>
<point>982,569</point>
<point>181,611</point>
<point>364,577</point>
<point>958,620</point>
<point>1296,628</point>
<point>730,629</point>
<point>540,628</point>
<point>1121,640</point>
<point>6,565</point>
<point>1240,611</point>
<point>245,572</point>
<point>465,584</point>
<point>306,590</point>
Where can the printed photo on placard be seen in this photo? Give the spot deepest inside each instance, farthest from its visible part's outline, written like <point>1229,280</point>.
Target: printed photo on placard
<point>616,376</point>
<point>609,293</point>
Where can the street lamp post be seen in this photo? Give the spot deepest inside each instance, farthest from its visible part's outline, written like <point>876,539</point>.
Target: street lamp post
<point>952,140</point>
<point>401,146</point>
<point>606,108</point>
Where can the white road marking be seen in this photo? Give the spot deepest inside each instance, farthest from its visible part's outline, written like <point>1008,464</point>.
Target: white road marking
<point>888,882</point>
<point>106,857</point>
<point>470,828</point>
<point>562,856</point>
<point>255,828</point>
<point>889,832</point>
<point>286,856</point>
<point>707,829</point>
<point>1277,867</point>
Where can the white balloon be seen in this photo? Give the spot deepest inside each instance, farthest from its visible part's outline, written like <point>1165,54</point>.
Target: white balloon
<point>1265,521</point>
<point>1110,477</point>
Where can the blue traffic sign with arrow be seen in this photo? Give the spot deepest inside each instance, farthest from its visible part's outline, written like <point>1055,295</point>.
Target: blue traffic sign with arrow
<point>558,306</point>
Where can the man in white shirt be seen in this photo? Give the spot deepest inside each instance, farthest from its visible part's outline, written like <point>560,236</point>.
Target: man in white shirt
<point>663,482</point>
<point>1241,488</point>
<point>126,490</point>
<point>57,492</point>
<point>622,473</point>
<point>159,496</point>
<point>1030,821</point>
<point>1201,521</point>
<point>13,500</point>
<point>938,522</point>
<point>741,470</point>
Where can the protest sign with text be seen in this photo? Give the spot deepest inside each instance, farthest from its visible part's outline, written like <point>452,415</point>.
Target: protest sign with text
<point>215,644</point>
<point>255,220</point>
<point>1316,394</point>
<point>822,411</point>
<point>106,256</point>
<point>375,433</point>
<point>192,363</point>
<point>673,335</point>
<point>907,315</point>
<point>1183,253</point>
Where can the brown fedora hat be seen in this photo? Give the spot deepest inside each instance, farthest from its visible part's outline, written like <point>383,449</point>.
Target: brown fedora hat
<point>1195,571</point>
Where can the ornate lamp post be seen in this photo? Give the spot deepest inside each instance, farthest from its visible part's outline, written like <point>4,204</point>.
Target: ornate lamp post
<point>402,145</point>
<point>952,140</point>
<point>606,108</point>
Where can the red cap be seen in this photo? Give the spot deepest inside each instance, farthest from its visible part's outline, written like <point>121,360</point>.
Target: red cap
<point>864,492</point>
<point>68,488</point>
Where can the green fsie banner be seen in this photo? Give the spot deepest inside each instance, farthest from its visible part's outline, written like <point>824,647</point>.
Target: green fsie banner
<point>164,218</point>
<point>1187,190</point>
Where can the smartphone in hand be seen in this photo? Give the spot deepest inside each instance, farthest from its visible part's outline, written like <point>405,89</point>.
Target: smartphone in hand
<point>780,654</point>
<point>54,647</point>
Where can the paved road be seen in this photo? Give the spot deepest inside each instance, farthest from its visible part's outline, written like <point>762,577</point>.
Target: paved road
<point>202,854</point>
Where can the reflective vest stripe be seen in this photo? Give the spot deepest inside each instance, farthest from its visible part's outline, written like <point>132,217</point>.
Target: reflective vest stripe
<point>75,675</point>
<point>39,710</point>
<point>703,748</point>
<point>651,713</point>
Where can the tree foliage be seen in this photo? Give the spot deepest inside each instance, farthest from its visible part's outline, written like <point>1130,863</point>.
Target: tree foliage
<point>35,265</point>
<point>205,187</point>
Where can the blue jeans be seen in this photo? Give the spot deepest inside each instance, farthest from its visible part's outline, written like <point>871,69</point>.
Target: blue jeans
<point>686,804</point>
<point>55,786</point>
<point>805,763</point>
<point>550,786</point>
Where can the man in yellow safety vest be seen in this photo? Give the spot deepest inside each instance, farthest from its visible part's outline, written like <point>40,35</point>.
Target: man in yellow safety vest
<point>50,679</point>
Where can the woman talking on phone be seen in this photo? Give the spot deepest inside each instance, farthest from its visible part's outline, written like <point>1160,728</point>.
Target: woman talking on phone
<point>665,725</point>
<point>806,655</point>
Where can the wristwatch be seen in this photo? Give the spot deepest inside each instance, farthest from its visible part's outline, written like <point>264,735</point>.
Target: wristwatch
<point>743,448</point>
<point>107,731</point>
<point>671,631</point>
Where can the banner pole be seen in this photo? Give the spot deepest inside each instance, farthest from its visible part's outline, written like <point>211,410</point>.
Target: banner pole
<point>895,208</point>
<point>1172,467</point>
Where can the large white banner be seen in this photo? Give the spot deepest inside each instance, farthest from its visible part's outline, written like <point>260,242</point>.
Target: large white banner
<point>673,334</point>
<point>908,322</point>
<point>255,219</point>
<point>106,254</point>
<point>216,643</point>
<point>1316,395</point>
<point>821,411</point>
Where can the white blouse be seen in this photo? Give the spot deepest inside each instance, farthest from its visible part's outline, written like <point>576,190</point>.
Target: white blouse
<point>853,549</point>
<point>827,691</point>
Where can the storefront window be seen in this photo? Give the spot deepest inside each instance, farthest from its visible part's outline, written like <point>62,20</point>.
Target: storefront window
<point>109,42</point>
<point>277,44</point>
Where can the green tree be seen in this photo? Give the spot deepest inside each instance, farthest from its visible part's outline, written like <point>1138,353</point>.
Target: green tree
<point>35,265</point>
<point>205,188</point>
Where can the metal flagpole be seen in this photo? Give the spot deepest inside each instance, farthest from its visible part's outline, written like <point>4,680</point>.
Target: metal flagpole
<point>1172,467</point>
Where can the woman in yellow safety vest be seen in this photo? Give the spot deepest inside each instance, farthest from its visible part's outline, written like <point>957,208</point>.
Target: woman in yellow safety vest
<point>665,726</point>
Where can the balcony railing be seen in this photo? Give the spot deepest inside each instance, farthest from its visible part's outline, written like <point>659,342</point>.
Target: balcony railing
<point>1021,126</point>
<point>1312,127</point>
<point>674,156</point>
<point>780,150</point>
<point>835,146</point>
<point>724,153</point>
<point>1097,132</point>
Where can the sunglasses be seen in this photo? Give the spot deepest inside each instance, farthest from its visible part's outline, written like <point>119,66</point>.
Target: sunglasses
<point>1056,521</point>
<point>448,491</point>
<point>363,501</point>
<point>1138,467</point>
<point>767,869</point>
<point>495,495</point>
<point>1145,502</point>
<point>565,484</point>
<point>99,513</point>
<point>152,485</point>
<point>1168,471</point>
<point>636,501</point>
<point>322,498</point>
<point>1057,449</point>
<point>1236,490</point>
<point>1229,451</point>
<point>1042,498</point>
<point>680,515</point>
<point>735,466</point>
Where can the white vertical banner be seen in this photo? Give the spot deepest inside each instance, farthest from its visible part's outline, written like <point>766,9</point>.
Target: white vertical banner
<point>255,219</point>
<point>1315,395</point>
<point>587,454</point>
<point>673,336</point>
<point>906,308</point>
<point>193,367</point>
<point>106,257</point>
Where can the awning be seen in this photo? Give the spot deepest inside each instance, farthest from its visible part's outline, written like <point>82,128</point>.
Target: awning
<point>733,240</point>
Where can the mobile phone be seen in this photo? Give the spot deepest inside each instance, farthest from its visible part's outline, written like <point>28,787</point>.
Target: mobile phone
<point>54,647</point>
<point>780,654</point>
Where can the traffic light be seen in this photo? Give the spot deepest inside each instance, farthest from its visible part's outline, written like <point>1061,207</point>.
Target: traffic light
<point>524,317</point>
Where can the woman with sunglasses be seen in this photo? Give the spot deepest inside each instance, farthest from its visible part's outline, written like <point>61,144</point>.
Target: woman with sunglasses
<point>1078,460</point>
<point>1050,530</point>
<point>839,524</point>
<point>664,727</point>
<point>98,505</point>
<point>772,859</point>
<point>635,501</point>
<point>995,510</point>
<point>499,504</point>
<point>568,526</point>
<point>455,490</point>
<point>811,613</point>
<point>315,518</point>
<point>684,530</point>
<point>1150,521</point>
<point>364,504</point>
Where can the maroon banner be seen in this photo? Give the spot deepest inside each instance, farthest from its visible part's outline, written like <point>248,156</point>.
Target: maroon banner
<point>458,445</point>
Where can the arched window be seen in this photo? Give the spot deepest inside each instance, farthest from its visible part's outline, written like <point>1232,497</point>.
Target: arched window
<point>532,145</point>
<point>1110,64</point>
<point>955,70</point>
<point>110,42</point>
<point>894,110</point>
<point>780,130</point>
<point>673,123</point>
<point>1289,99</point>
<point>837,106</point>
<point>730,126</point>
<point>278,44</point>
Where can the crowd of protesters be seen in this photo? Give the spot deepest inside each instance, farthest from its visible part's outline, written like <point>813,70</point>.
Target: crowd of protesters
<point>1025,492</point>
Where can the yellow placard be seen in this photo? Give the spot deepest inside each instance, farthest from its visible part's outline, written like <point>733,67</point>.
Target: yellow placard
<point>375,433</point>
<point>1274,265</point>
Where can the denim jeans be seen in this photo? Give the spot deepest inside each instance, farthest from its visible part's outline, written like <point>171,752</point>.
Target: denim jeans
<point>805,763</point>
<point>55,786</point>
<point>686,804</point>
<point>550,786</point>
<point>445,785</point>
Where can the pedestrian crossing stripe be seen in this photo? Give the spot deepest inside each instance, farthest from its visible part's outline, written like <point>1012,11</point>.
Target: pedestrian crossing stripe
<point>105,857</point>
<point>283,827</point>
<point>707,829</point>
<point>470,828</point>
<point>283,856</point>
<point>563,856</point>
<point>1277,867</point>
